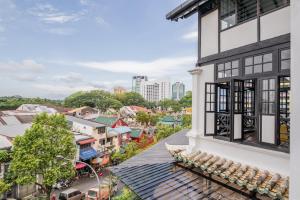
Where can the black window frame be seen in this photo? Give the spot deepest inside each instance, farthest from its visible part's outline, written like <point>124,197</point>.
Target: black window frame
<point>284,4</point>
<point>281,60</point>
<point>268,96</point>
<point>231,69</point>
<point>262,64</point>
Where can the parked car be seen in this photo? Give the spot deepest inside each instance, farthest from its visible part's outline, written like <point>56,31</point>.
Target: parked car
<point>71,194</point>
<point>95,194</point>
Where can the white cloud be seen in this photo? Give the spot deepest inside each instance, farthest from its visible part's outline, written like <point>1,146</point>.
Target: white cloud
<point>26,77</point>
<point>100,20</point>
<point>156,68</point>
<point>27,65</point>
<point>49,14</point>
<point>191,35</point>
<point>72,77</point>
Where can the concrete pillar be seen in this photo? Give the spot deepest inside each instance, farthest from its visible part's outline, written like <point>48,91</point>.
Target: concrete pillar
<point>295,102</point>
<point>193,134</point>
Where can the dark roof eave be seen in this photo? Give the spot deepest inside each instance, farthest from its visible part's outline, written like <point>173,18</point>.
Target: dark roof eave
<point>185,10</point>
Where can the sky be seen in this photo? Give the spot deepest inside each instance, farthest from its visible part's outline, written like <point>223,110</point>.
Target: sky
<point>52,48</point>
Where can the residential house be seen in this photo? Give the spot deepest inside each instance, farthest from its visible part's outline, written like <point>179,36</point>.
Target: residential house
<point>84,111</point>
<point>111,121</point>
<point>91,128</point>
<point>131,111</point>
<point>137,134</point>
<point>85,150</point>
<point>241,83</point>
<point>118,137</point>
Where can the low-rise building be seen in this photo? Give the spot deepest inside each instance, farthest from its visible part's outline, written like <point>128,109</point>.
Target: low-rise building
<point>83,111</point>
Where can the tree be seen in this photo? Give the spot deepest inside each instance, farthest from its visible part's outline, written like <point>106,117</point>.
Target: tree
<point>4,158</point>
<point>169,103</point>
<point>186,101</point>
<point>35,154</point>
<point>4,186</point>
<point>143,118</point>
<point>164,131</point>
<point>126,195</point>
<point>187,121</point>
<point>154,119</point>
<point>131,98</point>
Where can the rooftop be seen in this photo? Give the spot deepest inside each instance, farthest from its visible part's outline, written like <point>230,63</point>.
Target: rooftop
<point>84,121</point>
<point>13,131</point>
<point>152,175</point>
<point>106,120</point>
<point>5,143</point>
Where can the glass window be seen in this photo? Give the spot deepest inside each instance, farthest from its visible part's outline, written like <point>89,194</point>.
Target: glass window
<point>285,57</point>
<point>268,97</point>
<point>247,9</point>
<point>228,13</point>
<point>228,69</point>
<point>258,64</point>
<point>269,5</point>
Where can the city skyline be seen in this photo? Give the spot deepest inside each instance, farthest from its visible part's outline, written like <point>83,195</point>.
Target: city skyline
<point>51,49</point>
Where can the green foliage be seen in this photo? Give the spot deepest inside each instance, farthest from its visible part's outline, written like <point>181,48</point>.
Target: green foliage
<point>131,98</point>
<point>97,99</point>
<point>35,153</point>
<point>164,131</point>
<point>143,118</point>
<point>4,186</point>
<point>186,101</point>
<point>168,103</point>
<point>187,121</point>
<point>4,156</point>
<point>11,103</point>
<point>126,194</point>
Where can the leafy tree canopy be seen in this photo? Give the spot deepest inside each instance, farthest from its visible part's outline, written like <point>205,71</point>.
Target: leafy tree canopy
<point>186,101</point>
<point>4,186</point>
<point>4,156</point>
<point>35,153</point>
<point>169,103</point>
<point>164,131</point>
<point>131,98</point>
<point>187,121</point>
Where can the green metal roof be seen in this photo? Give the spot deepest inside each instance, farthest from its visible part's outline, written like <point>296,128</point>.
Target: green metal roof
<point>106,120</point>
<point>135,133</point>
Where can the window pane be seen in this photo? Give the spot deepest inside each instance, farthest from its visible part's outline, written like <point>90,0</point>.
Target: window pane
<point>246,9</point>
<point>257,68</point>
<point>271,96</point>
<point>228,65</point>
<point>264,108</point>
<point>267,67</point>
<point>272,84</point>
<point>285,64</point>
<point>220,67</point>
<point>221,74</point>
<point>235,72</point>
<point>265,84</point>
<point>265,96</point>
<point>271,108</point>
<point>268,5</point>
<point>227,11</point>
<point>286,54</point>
<point>248,70</point>
<point>249,61</point>
<point>257,59</point>
<point>235,64</point>
<point>268,57</point>
<point>228,73</point>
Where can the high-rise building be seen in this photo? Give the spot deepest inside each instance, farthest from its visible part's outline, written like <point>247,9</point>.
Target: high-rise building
<point>136,83</point>
<point>150,91</point>
<point>155,91</point>
<point>164,90</point>
<point>178,91</point>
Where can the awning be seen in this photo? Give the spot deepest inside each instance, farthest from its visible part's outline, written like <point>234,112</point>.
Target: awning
<point>80,166</point>
<point>88,153</point>
<point>88,141</point>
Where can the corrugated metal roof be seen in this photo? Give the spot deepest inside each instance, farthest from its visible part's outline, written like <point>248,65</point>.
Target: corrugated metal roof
<point>152,175</point>
<point>4,143</point>
<point>106,120</point>
<point>84,122</point>
<point>12,131</point>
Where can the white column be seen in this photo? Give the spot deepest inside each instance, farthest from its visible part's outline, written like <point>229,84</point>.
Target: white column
<point>193,134</point>
<point>295,102</point>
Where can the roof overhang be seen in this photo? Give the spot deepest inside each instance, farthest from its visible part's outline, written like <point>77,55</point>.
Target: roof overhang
<point>185,10</point>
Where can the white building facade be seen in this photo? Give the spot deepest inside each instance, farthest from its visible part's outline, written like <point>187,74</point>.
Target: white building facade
<point>155,91</point>
<point>136,83</point>
<point>242,82</point>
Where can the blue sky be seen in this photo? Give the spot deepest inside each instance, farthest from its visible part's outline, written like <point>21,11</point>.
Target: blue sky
<point>56,47</point>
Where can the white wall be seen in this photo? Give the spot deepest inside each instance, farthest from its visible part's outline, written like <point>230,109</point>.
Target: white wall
<point>209,34</point>
<point>240,35</point>
<point>275,23</point>
<point>295,101</point>
<point>268,129</point>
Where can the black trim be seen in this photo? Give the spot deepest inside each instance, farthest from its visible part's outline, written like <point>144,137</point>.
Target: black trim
<point>258,47</point>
